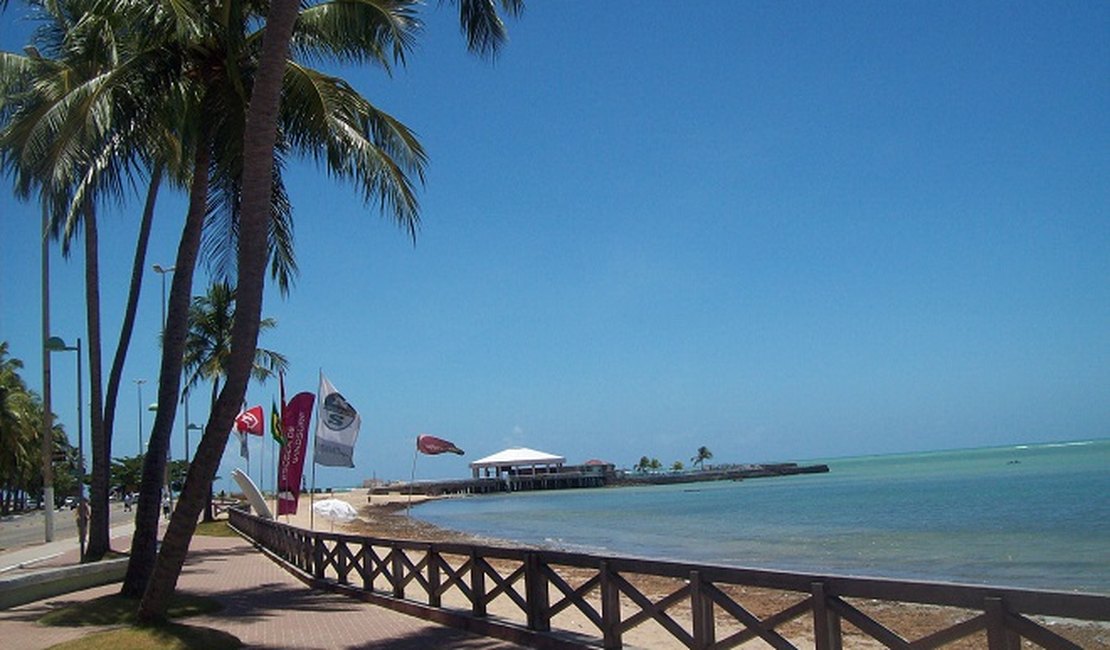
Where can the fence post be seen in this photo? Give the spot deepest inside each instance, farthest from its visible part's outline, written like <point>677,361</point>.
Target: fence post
<point>341,561</point>
<point>998,637</point>
<point>826,623</point>
<point>433,577</point>
<point>536,592</point>
<point>701,609</point>
<point>477,584</point>
<point>610,608</point>
<point>395,555</point>
<point>367,566</point>
<point>317,557</point>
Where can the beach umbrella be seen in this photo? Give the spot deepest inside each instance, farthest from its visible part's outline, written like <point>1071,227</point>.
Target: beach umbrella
<point>335,510</point>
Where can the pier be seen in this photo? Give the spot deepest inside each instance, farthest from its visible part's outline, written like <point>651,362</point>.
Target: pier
<point>564,477</point>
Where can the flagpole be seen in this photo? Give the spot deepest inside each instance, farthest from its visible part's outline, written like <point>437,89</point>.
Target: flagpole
<point>312,490</point>
<point>412,479</point>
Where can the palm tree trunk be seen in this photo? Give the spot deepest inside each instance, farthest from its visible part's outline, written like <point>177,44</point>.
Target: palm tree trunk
<point>98,439</point>
<point>144,543</point>
<point>258,160</point>
<point>102,456</point>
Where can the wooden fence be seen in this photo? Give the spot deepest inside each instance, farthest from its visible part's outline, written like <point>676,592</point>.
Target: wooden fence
<point>516,594</point>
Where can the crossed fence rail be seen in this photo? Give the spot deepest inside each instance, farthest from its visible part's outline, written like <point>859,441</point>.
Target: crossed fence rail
<point>515,594</point>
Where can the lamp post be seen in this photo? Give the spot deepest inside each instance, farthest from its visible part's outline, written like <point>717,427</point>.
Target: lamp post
<point>56,344</point>
<point>153,408</point>
<point>47,415</point>
<point>162,271</point>
<point>139,385</point>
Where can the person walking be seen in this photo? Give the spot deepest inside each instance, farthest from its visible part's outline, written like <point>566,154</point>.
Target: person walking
<point>82,515</point>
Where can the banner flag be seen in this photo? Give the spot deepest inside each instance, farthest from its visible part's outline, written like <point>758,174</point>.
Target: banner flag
<point>432,445</point>
<point>294,422</point>
<point>250,421</point>
<point>275,424</point>
<point>337,425</point>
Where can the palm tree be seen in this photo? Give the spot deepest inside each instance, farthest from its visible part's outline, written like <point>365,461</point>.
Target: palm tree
<point>703,455</point>
<point>59,143</point>
<point>209,343</point>
<point>19,436</point>
<point>486,34</point>
<point>359,143</point>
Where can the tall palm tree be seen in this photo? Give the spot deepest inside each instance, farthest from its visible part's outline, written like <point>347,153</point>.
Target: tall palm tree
<point>485,34</point>
<point>209,343</point>
<point>358,142</point>
<point>60,142</point>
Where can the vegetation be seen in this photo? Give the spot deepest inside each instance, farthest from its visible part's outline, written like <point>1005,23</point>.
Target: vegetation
<point>208,345</point>
<point>703,455</point>
<point>171,636</point>
<point>21,415</point>
<point>117,610</point>
<point>215,529</point>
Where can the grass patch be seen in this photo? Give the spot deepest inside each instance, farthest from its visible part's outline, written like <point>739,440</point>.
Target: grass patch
<point>114,609</point>
<point>172,636</point>
<point>215,529</point>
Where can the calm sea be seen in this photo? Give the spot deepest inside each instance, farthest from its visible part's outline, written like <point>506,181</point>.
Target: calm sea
<point>1026,516</point>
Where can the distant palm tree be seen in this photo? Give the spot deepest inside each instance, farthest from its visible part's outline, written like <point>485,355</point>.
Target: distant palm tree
<point>19,433</point>
<point>208,342</point>
<point>208,346</point>
<point>703,455</point>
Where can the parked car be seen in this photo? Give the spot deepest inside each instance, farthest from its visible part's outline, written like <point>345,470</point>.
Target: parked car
<point>70,502</point>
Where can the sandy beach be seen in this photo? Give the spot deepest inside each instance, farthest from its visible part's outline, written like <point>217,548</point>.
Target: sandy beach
<point>385,516</point>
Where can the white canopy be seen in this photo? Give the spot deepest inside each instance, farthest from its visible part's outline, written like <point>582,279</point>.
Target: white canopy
<point>518,457</point>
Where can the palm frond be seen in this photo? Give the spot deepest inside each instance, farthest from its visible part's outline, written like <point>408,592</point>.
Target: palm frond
<point>357,31</point>
<point>354,141</point>
<point>480,23</point>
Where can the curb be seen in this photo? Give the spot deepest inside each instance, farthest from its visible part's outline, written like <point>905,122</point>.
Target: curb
<point>19,590</point>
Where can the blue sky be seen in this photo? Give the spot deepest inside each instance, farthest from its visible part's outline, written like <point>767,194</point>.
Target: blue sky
<point>784,231</point>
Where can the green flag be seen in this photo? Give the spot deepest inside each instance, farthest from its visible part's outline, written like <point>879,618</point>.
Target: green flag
<point>275,424</point>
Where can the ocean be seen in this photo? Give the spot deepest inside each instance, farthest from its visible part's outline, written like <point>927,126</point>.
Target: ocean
<point>1035,516</point>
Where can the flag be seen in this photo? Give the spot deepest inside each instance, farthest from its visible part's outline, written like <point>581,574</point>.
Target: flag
<point>249,421</point>
<point>337,425</point>
<point>294,423</point>
<point>432,445</point>
<point>275,424</point>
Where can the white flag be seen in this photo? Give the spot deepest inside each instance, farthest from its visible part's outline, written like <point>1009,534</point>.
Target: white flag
<point>337,424</point>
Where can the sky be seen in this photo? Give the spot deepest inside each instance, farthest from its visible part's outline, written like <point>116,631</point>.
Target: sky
<point>785,231</point>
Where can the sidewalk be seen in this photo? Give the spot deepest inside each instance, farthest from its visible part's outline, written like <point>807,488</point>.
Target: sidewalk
<point>263,605</point>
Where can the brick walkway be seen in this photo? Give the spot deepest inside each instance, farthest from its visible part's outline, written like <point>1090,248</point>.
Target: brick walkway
<point>264,606</point>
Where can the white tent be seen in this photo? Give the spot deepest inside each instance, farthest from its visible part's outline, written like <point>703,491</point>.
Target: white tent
<point>516,459</point>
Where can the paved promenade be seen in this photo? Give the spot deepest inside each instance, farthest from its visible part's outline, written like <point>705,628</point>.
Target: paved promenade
<point>263,605</point>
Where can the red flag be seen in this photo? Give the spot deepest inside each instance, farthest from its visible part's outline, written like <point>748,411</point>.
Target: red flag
<point>250,421</point>
<point>295,418</point>
<point>432,445</point>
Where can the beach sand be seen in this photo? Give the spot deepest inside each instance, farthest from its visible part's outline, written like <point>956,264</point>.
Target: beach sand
<point>385,516</point>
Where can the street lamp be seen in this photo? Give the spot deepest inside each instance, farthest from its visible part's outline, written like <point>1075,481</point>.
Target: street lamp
<point>191,427</point>
<point>56,344</point>
<point>162,271</point>
<point>139,385</point>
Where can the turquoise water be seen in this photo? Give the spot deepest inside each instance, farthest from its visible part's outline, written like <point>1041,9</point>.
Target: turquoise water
<point>1033,516</point>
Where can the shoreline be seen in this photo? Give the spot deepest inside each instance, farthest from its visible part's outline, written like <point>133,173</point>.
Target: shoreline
<point>386,516</point>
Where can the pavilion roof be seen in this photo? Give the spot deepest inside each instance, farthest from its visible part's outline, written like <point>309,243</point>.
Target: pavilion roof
<point>519,456</point>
